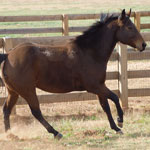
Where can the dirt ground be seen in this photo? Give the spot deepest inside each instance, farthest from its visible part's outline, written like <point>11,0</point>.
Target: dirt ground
<point>85,120</point>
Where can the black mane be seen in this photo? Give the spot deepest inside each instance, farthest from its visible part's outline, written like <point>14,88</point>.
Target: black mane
<point>90,37</point>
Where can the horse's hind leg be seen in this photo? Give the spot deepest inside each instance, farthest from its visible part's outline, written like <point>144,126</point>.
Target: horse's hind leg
<point>35,109</point>
<point>8,106</point>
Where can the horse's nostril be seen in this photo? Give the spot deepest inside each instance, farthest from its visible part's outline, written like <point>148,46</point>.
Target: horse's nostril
<point>144,45</point>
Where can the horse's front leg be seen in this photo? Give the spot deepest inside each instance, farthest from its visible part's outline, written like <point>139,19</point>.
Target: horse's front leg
<point>104,103</point>
<point>93,85</point>
<point>112,96</point>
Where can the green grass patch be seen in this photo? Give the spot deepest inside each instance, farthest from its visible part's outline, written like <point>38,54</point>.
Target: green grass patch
<point>90,134</point>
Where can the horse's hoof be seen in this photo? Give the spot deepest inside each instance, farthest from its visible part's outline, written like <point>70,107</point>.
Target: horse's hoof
<point>119,132</point>
<point>120,124</point>
<point>58,136</point>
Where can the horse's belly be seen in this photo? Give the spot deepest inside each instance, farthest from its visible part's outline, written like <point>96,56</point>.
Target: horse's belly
<point>56,84</point>
<point>55,89</point>
<point>60,84</point>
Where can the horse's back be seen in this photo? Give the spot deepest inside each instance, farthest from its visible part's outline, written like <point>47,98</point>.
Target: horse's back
<point>46,67</point>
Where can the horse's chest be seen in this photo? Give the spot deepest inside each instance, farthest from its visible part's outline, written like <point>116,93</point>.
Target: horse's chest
<point>93,74</point>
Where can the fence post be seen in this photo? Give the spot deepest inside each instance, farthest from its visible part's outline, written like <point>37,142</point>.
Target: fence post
<point>123,80</point>
<point>137,20</point>
<point>65,25</point>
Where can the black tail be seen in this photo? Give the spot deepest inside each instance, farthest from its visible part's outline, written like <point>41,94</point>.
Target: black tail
<point>3,57</point>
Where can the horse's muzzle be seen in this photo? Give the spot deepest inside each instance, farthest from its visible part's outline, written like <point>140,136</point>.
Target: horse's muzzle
<point>143,46</point>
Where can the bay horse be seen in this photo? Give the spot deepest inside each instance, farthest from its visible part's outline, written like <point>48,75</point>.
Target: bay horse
<point>80,65</point>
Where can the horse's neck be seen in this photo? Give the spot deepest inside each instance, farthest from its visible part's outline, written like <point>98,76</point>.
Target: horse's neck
<point>106,45</point>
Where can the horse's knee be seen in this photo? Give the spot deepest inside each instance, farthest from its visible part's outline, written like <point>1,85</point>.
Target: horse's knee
<point>113,97</point>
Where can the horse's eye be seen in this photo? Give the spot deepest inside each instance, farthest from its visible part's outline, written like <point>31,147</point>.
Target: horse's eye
<point>130,28</point>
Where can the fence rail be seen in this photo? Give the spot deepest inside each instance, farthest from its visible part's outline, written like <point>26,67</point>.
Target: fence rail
<point>30,18</point>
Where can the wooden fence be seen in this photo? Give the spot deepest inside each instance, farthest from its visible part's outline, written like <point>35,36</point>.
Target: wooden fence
<point>122,55</point>
<point>65,18</point>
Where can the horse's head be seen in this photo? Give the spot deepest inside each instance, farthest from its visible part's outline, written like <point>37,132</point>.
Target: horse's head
<point>127,32</point>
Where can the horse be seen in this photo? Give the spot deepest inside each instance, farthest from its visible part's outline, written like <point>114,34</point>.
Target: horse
<point>79,65</point>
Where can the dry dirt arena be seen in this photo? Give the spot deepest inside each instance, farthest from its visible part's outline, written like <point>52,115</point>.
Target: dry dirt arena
<point>27,132</point>
<point>77,121</point>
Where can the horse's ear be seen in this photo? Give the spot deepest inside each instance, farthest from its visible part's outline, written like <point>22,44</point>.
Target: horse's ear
<point>129,13</point>
<point>123,15</point>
